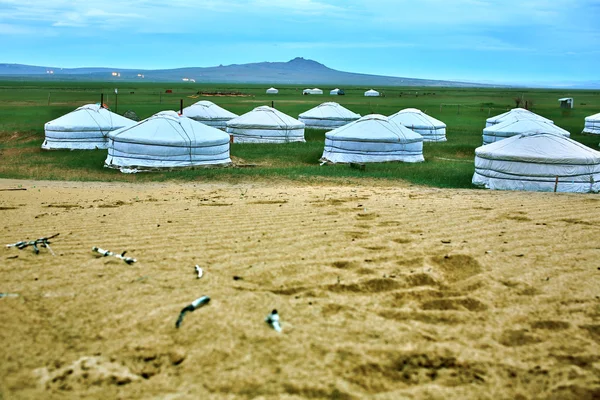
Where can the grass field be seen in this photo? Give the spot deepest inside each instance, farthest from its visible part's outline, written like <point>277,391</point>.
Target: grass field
<point>26,106</point>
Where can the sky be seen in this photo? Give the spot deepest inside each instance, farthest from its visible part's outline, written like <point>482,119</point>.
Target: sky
<point>496,41</point>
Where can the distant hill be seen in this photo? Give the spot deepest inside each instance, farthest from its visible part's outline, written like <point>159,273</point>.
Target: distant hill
<point>296,71</point>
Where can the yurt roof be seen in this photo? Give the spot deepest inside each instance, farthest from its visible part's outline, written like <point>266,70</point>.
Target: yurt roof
<point>90,117</point>
<point>595,117</point>
<point>207,110</point>
<point>374,128</point>
<point>265,116</point>
<point>330,110</point>
<point>168,128</point>
<point>520,125</point>
<point>538,147</point>
<point>415,118</point>
<point>371,91</point>
<point>517,112</point>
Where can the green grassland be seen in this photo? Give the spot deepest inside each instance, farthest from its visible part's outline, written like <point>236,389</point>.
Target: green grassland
<point>26,105</point>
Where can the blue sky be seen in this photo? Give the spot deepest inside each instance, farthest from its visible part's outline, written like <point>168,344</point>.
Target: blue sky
<point>510,41</point>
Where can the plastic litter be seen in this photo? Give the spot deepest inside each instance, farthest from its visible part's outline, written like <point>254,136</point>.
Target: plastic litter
<point>106,253</point>
<point>199,302</point>
<point>273,320</point>
<point>43,242</point>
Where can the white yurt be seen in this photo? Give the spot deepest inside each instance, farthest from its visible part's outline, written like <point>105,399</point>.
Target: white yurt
<point>328,115</point>
<point>520,113</point>
<point>272,91</point>
<point>167,140</point>
<point>516,126</point>
<point>592,124</point>
<point>265,124</point>
<point>540,162</point>
<point>371,93</point>
<point>209,114</point>
<point>312,91</point>
<point>372,138</point>
<point>334,92</point>
<point>85,128</point>
<point>431,129</point>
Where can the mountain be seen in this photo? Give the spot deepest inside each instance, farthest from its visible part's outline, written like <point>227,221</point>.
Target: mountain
<point>296,71</point>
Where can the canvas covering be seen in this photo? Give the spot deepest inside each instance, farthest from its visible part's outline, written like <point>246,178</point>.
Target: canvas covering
<point>167,140</point>
<point>265,124</point>
<point>312,91</point>
<point>209,114</point>
<point>371,93</point>
<point>533,161</point>
<point>519,113</point>
<point>432,130</point>
<point>592,124</point>
<point>372,138</point>
<point>328,115</point>
<point>85,128</point>
<point>515,126</point>
<point>272,91</point>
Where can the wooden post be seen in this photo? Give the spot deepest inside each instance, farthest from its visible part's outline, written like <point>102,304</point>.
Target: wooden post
<point>272,104</point>
<point>101,99</point>
<point>48,98</point>
<point>555,184</point>
<point>440,108</point>
<point>180,106</point>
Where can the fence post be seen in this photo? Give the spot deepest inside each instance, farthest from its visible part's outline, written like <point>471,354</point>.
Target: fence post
<point>555,184</point>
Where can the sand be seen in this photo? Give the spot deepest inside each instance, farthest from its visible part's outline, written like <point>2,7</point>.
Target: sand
<point>383,292</point>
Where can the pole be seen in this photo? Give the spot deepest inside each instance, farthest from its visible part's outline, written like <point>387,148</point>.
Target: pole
<point>48,98</point>
<point>101,99</point>
<point>116,101</point>
<point>272,104</point>
<point>180,106</point>
<point>555,184</point>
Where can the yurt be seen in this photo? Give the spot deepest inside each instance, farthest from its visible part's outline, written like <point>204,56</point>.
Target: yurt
<point>328,115</point>
<point>371,93</point>
<point>534,161</point>
<point>372,138</point>
<point>520,113</point>
<point>516,126</point>
<point>209,114</point>
<point>312,91</point>
<point>431,129</point>
<point>334,92</point>
<point>167,140</point>
<point>85,128</point>
<point>265,125</point>
<point>592,124</point>
<point>272,91</point>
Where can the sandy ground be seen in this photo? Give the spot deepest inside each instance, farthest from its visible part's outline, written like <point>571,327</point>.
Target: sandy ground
<point>384,292</point>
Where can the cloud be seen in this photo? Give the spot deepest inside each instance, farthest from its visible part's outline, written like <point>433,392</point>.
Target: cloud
<point>311,7</point>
